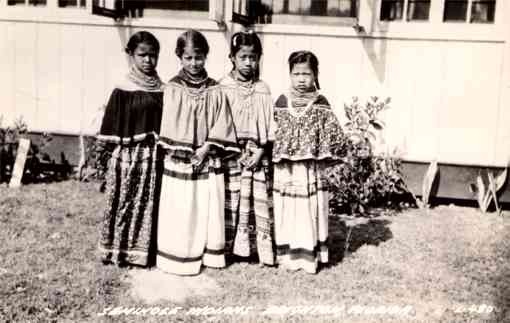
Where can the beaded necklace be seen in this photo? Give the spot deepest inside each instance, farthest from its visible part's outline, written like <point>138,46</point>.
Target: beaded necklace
<point>245,89</point>
<point>147,82</point>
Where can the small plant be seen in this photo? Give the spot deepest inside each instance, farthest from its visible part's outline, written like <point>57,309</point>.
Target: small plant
<point>93,159</point>
<point>94,155</point>
<point>364,180</point>
<point>487,191</point>
<point>429,180</point>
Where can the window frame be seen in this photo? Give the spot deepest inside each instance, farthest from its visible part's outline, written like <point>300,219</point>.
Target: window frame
<point>77,6</point>
<point>213,20</point>
<point>367,25</point>
<point>436,29</point>
<point>405,13</point>
<point>288,19</point>
<point>469,13</point>
<point>27,4</point>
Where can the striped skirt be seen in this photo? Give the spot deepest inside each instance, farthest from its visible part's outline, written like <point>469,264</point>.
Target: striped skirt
<point>127,227</point>
<point>301,215</point>
<point>191,225</point>
<point>249,224</point>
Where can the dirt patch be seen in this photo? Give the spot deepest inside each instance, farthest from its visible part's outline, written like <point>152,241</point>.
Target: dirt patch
<point>155,285</point>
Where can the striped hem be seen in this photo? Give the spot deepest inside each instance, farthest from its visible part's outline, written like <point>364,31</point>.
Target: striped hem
<point>173,147</point>
<point>297,195</point>
<point>179,259</point>
<point>191,176</point>
<point>310,266</point>
<point>250,177</point>
<point>174,144</point>
<point>127,140</point>
<point>302,253</point>
<point>138,256</point>
<point>315,106</point>
<point>284,157</point>
<point>190,265</point>
<point>178,267</point>
<point>215,259</point>
<point>225,145</point>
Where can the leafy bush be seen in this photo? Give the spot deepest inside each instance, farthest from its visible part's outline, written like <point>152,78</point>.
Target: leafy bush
<point>363,179</point>
<point>94,158</point>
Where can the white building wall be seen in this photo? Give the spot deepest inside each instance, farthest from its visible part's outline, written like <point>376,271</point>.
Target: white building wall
<point>449,83</point>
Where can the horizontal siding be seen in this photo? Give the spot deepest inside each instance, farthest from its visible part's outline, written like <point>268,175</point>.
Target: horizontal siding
<point>449,98</point>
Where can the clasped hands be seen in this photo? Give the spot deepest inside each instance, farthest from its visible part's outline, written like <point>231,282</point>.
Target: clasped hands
<point>251,158</point>
<point>198,158</point>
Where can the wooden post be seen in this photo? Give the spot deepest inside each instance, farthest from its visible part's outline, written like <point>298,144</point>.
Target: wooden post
<point>19,164</point>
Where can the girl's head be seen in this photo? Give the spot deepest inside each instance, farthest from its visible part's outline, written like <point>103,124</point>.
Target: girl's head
<point>192,49</point>
<point>304,71</point>
<point>143,48</point>
<point>245,52</point>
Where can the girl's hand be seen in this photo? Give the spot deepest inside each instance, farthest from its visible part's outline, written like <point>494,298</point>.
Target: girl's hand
<point>200,154</point>
<point>254,161</point>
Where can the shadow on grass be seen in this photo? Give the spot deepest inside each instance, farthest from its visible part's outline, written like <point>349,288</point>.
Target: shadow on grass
<point>502,301</point>
<point>373,232</point>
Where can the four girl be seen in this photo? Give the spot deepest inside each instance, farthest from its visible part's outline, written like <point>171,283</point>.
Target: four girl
<point>220,143</point>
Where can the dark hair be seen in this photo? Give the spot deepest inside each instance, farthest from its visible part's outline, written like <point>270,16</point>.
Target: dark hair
<point>141,37</point>
<point>304,56</point>
<point>244,38</point>
<point>195,39</point>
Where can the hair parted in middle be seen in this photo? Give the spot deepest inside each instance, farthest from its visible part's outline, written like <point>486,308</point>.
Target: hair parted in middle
<point>141,37</point>
<point>194,39</point>
<point>245,38</point>
<point>304,56</point>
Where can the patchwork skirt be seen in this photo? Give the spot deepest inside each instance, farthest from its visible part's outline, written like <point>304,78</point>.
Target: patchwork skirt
<point>301,214</point>
<point>191,225</point>
<point>249,222</point>
<point>127,226</point>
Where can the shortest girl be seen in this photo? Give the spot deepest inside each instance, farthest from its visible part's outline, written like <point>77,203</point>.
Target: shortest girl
<point>307,137</point>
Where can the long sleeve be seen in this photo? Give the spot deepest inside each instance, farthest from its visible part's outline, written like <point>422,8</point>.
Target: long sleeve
<point>220,123</point>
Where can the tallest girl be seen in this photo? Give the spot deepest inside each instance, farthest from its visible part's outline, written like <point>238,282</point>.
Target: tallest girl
<point>196,132</point>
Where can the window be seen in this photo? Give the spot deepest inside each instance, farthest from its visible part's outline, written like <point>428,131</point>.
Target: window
<point>476,11</point>
<point>168,8</point>
<point>151,8</point>
<point>414,10</point>
<point>295,11</point>
<point>24,2</point>
<point>483,11</point>
<point>198,5</point>
<point>72,3</point>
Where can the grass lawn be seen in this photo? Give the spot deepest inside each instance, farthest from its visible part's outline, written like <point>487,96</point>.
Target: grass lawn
<point>440,265</point>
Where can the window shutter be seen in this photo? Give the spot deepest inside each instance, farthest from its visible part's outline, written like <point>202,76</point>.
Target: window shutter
<point>109,8</point>
<point>241,12</point>
<point>216,11</point>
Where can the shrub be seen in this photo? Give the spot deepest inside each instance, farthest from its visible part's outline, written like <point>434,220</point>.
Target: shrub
<point>94,158</point>
<point>363,179</point>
